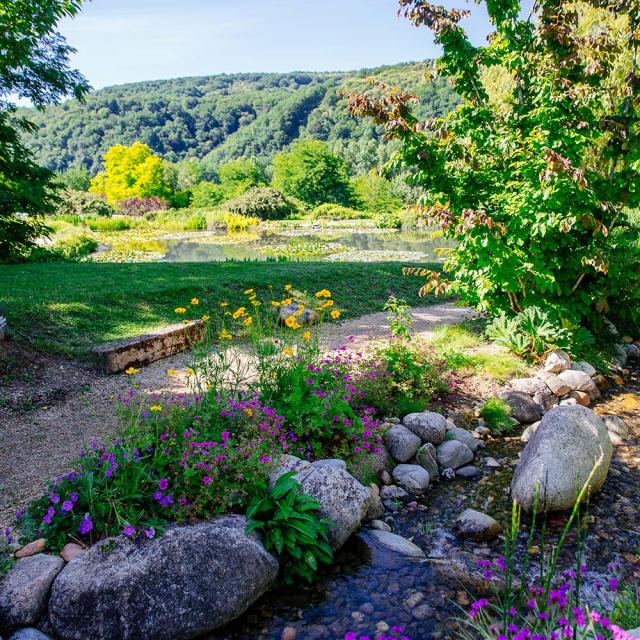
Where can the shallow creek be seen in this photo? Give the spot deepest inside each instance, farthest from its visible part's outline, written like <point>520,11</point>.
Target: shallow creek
<point>369,589</point>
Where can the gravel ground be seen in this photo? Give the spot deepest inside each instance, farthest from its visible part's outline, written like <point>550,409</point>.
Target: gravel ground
<point>50,408</point>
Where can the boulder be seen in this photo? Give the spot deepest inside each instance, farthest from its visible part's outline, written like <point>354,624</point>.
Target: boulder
<point>554,383</point>
<point>632,351</point>
<point>402,443</point>
<point>453,454</point>
<point>411,477</point>
<point>24,591</point>
<point>336,463</point>
<point>28,633</point>
<point>343,500</point>
<point>530,386</point>
<point>464,436</point>
<point>468,473</point>
<point>428,426</point>
<point>476,525</point>
<point>304,315</point>
<point>559,458</point>
<point>523,408</point>
<point>287,463</point>
<point>187,582</point>
<point>557,361</point>
<point>585,367</point>
<point>426,458</point>
<point>578,380</point>
<point>396,543</point>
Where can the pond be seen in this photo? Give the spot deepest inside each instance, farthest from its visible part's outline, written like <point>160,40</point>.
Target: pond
<point>297,242</point>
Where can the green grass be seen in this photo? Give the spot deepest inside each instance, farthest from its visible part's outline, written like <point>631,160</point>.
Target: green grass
<point>69,308</point>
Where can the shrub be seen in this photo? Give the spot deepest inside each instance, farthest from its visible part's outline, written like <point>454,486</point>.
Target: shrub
<point>108,224</point>
<point>265,203</point>
<point>496,414</point>
<point>336,212</point>
<point>238,222</point>
<point>81,203</point>
<point>291,527</point>
<point>376,193</point>
<point>626,609</point>
<point>206,194</point>
<point>75,247</point>
<point>136,206</point>
<point>390,220</point>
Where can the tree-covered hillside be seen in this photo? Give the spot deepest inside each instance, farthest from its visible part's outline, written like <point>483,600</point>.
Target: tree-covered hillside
<point>225,117</point>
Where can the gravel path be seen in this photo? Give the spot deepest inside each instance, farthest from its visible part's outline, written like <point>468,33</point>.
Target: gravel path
<point>37,444</point>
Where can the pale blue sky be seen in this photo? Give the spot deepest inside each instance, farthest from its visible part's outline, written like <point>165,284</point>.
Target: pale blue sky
<point>130,40</point>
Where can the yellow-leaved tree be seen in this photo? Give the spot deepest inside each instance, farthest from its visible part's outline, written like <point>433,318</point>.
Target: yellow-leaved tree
<point>131,172</point>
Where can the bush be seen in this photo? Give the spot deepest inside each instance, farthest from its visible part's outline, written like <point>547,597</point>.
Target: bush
<point>391,220</point>
<point>140,206</point>
<point>376,194</point>
<point>238,222</point>
<point>108,224</point>
<point>496,414</point>
<point>292,528</point>
<point>206,194</point>
<point>336,212</point>
<point>81,203</point>
<point>265,203</point>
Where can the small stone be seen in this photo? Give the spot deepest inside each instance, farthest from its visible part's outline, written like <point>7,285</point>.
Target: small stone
<point>464,436</point>
<point>382,626</point>
<point>453,454</point>
<point>385,478</point>
<point>468,473</point>
<point>631,350</point>
<point>358,616</point>
<point>476,525</point>
<point>396,543</point>
<point>71,551</point>
<point>375,509</point>
<point>28,633</point>
<point>617,379</point>
<point>600,382</point>
<point>393,492</point>
<point>581,398</point>
<point>411,477</point>
<point>462,599</point>
<point>523,408</point>
<point>414,599</point>
<point>412,505</point>
<point>37,546</point>
<point>483,431</point>
<point>448,474</point>
<point>554,383</point>
<point>585,367</point>
<point>426,458</point>
<point>492,463</point>
<point>289,633</point>
<point>617,429</point>
<point>557,361</point>
<point>379,525</point>
<point>565,402</point>
<point>367,608</point>
<point>422,612</point>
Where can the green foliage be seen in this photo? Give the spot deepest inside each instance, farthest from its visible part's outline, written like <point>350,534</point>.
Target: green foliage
<point>336,212</point>
<point>496,414</point>
<point>626,609</point>
<point>206,194</point>
<point>131,172</point>
<point>108,224</point>
<point>399,317</point>
<point>238,222</point>
<point>76,179</point>
<point>291,528</point>
<point>376,194</point>
<point>265,203</point>
<point>81,203</point>
<point>389,220</point>
<point>312,173</point>
<point>224,118</point>
<point>534,184</point>
<point>71,243</point>
<point>238,176</point>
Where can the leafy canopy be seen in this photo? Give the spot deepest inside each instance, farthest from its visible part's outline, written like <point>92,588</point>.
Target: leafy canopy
<point>534,172</point>
<point>312,173</point>
<point>34,65</point>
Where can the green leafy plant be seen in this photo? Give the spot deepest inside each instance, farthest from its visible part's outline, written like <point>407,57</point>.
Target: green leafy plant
<point>399,317</point>
<point>265,203</point>
<point>496,414</point>
<point>336,212</point>
<point>389,220</point>
<point>291,526</point>
<point>626,609</point>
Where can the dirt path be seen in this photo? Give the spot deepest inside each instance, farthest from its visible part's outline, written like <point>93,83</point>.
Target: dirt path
<point>39,442</point>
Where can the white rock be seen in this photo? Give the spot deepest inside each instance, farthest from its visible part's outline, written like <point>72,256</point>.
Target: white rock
<point>428,426</point>
<point>585,367</point>
<point>557,361</point>
<point>396,543</point>
<point>411,477</point>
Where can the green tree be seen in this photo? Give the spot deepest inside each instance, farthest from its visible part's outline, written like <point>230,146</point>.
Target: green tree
<point>238,176</point>
<point>206,194</point>
<point>34,65</point>
<point>76,179</point>
<point>376,194</point>
<point>533,174</point>
<point>131,172</point>
<point>313,174</point>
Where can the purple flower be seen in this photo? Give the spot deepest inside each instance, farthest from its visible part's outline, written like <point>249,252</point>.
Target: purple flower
<point>48,518</point>
<point>164,484</point>
<point>150,532</point>
<point>55,498</point>
<point>613,584</point>
<point>129,530</point>
<point>67,505</point>
<point>74,497</point>
<point>7,535</point>
<point>86,524</point>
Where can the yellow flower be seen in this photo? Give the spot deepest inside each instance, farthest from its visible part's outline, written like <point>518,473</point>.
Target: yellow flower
<point>275,303</point>
<point>173,373</point>
<point>249,411</point>
<point>131,371</point>
<point>248,321</point>
<point>225,335</point>
<point>190,372</point>
<point>239,313</point>
<point>306,336</point>
<point>155,407</point>
<point>335,314</point>
<point>205,318</point>
<point>180,310</point>
<point>224,304</point>
<point>248,292</point>
<point>256,303</point>
<point>195,301</point>
<point>323,293</point>
<point>292,323</point>
<point>287,302</point>
<point>328,303</point>
<point>185,322</point>
<point>288,351</point>
<point>287,287</point>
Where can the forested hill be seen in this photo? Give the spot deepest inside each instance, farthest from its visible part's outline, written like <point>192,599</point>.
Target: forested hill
<point>225,117</point>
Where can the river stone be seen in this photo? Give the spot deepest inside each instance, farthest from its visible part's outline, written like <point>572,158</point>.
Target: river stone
<point>453,454</point>
<point>187,582</point>
<point>343,500</point>
<point>375,509</point>
<point>546,399</point>
<point>621,355</point>
<point>287,463</point>
<point>468,473</point>
<point>585,367</point>
<point>581,398</point>
<point>577,380</point>
<point>393,492</point>
<point>530,386</point>
<point>523,408</point>
<point>554,383</point>
<point>25,589</point>
<point>402,443</point>
<point>70,551</point>
<point>557,361</point>
<point>396,543</point>
<point>426,458</point>
<point>476,525</point>
<point>411,477</point>
<point>380,525</point>
<point>557,460</point>
<point>428,426</point>
<point>303,314</point>
<point>336,463</point>
<point>617,428</point>
<point>31,549</point>
<point>28,633</point>
<point>464,436</point>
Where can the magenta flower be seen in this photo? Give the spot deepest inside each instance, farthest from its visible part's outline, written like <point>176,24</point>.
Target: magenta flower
<point>67,505</point>
<point>206,479</point>
<point>129,530</point>
<point>86,524</point>
<point>164,484</point>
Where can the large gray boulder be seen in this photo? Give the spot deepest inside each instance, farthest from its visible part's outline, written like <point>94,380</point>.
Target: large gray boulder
<point>453,454</point>
<point>411,477</point>
<point>523,408</point>
<point>185,583</point>
<point>28,633</point>
<point>428,426</point>
<point>24,591</point>
<point>568,444</point>
<point>464,436</point>
<point>402,443</point>
<point>530,386</point>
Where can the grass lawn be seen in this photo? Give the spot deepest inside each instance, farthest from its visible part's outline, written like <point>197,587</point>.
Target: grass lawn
<point>68,307</point>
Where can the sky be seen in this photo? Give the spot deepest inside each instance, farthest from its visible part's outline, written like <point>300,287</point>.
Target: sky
<point>121,41</point>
